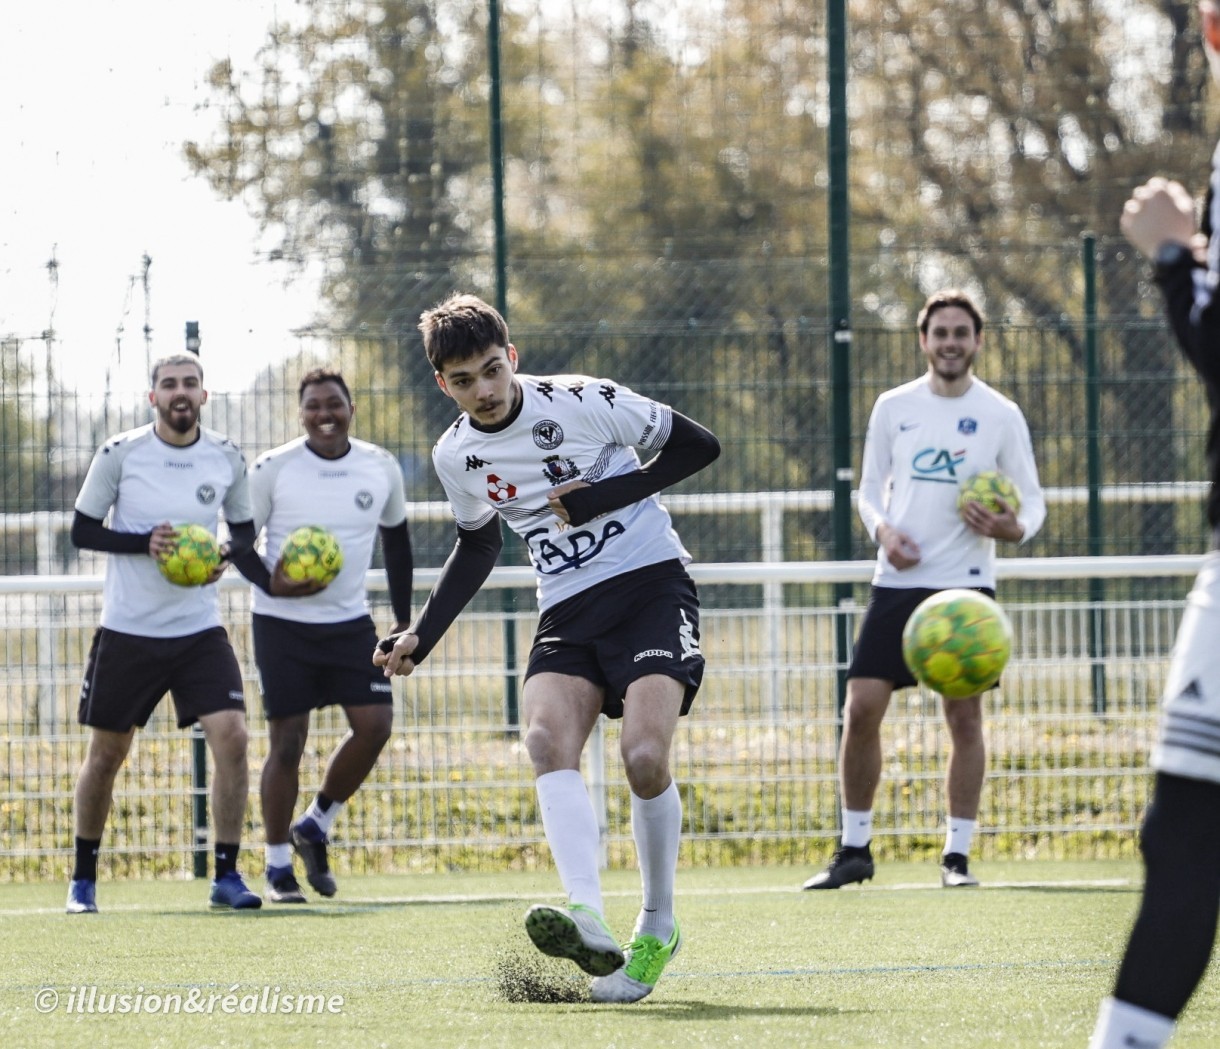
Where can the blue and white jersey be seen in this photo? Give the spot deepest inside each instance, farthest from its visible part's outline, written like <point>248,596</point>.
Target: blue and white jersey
<point>350,497</point>
<point>141,481</point>
<point>918,448</point>
<point>569,428</point>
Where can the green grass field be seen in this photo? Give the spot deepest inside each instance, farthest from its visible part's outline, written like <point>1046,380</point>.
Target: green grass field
<point>436,960</point>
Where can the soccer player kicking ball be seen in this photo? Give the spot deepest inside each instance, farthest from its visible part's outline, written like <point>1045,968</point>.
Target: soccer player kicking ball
<point>618,633</point>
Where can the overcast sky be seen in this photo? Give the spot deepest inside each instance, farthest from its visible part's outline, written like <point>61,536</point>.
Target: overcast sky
<point>96,100</point>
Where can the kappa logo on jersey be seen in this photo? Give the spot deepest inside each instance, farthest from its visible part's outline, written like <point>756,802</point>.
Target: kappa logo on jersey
<point>548,434</point>
<point>558,470</point>
<point>607,393</point>
<point>473,462</point>
<point>577,390</point>
<point>206,494</point>
<point>572,551</point>
<point>937,464</point>
<point>967,426</point>
<point>547,389</point>
<point>686,635</point>
<point>364,499</point>
<point>499,490</point>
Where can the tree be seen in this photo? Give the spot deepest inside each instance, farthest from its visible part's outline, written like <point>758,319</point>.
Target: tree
<point>999,130</point>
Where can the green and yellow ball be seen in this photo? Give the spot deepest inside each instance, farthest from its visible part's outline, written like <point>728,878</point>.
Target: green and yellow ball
<point>957,642</point>
<point>192,559</point>
<point>311,552</point>
<point>988,487</point>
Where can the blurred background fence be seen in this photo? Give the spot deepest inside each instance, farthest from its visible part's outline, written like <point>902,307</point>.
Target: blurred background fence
<point>1068,734</point>
<point>648,189</point>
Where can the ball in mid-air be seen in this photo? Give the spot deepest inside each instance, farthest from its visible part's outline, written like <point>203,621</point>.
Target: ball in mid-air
<point>192,559</point>
<point>988,487</point>
<point>311,552</point>
<point>957,642</point>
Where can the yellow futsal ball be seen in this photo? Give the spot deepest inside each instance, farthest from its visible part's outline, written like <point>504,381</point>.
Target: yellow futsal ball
<point>311,552</point>
<point>987,488</point>
<point>957,642</point>
<point>194,556</point>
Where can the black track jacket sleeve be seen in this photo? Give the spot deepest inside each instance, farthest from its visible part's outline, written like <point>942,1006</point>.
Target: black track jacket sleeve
<point>474,556</point>
<point>399,568</point>
<point>91,533</point>
<point>688,450</point>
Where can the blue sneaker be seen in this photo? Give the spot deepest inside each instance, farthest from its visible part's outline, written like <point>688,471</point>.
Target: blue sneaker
<point>82,896</point>
<point>229,891</point>
<point>309,840</point>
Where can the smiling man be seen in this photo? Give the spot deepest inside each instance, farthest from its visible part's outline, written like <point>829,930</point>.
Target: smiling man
<point>311,643</point>
<point>156,637</point>
<point>555,457</point>
<point>923,438</point>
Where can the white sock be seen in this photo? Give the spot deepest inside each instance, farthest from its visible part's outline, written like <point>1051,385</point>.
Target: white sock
<point>1121,1024</point>
<point>278,855</point>
<point>571,832</point>
<point>959,836</point>
<point>656,825</point>
<point>857,827</point>
<point>323,819</point>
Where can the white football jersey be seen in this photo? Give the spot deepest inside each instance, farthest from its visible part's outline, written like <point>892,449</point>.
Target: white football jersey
<point>918,448</point>
<point>141,481</point>
<point>570,427</point>
<point>350,497</point>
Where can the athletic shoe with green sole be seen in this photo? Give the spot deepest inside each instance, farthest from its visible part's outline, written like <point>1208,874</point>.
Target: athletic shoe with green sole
<point>647,957</point>
<point>577,933</point>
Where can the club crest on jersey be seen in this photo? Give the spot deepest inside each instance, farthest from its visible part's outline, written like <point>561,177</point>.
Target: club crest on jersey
<point>559,470</point>
<point>967,425</point>
<point>500,491</point>
<point>548,434</point>
<point>206,494</point>
<point>364,500</point>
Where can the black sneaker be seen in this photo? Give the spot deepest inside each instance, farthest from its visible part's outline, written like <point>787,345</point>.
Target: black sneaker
<point>955,873</point>
<point>282,886</point>
<point>310,844</point>
<point>851,863</point>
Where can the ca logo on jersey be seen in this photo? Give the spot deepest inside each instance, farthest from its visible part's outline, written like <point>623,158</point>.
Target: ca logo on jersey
<point>937,464</point>
<point>206,494</point>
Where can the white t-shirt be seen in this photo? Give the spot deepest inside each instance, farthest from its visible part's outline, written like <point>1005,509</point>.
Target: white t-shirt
<point>350,497</point>
<point>570,427</point>
<point>141,481</point>
<point>919,447</point>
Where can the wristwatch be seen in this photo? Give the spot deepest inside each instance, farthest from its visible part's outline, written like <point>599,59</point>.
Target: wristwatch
<point>1171,255</point>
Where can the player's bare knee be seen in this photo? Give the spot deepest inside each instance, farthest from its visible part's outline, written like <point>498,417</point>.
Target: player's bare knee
<point>646,763</point>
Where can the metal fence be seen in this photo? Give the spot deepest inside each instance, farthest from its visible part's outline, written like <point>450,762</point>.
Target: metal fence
<point>755,760</point>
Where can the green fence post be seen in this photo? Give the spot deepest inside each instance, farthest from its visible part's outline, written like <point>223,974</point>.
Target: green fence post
<point>508,596</point>
<point>840,320</point>
<point>1097,587</point>
<point>199,799</point>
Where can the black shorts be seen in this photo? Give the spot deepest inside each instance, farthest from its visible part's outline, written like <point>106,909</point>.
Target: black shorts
<point>307,666</point>
<point>878,651</point>
<point>127,674</point>
<point>640,623</point>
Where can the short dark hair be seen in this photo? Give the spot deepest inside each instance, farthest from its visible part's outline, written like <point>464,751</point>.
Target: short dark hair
<point>460,327</point>
<point>319,375</point>
<point>172,359</point>
<point>938,300</point>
